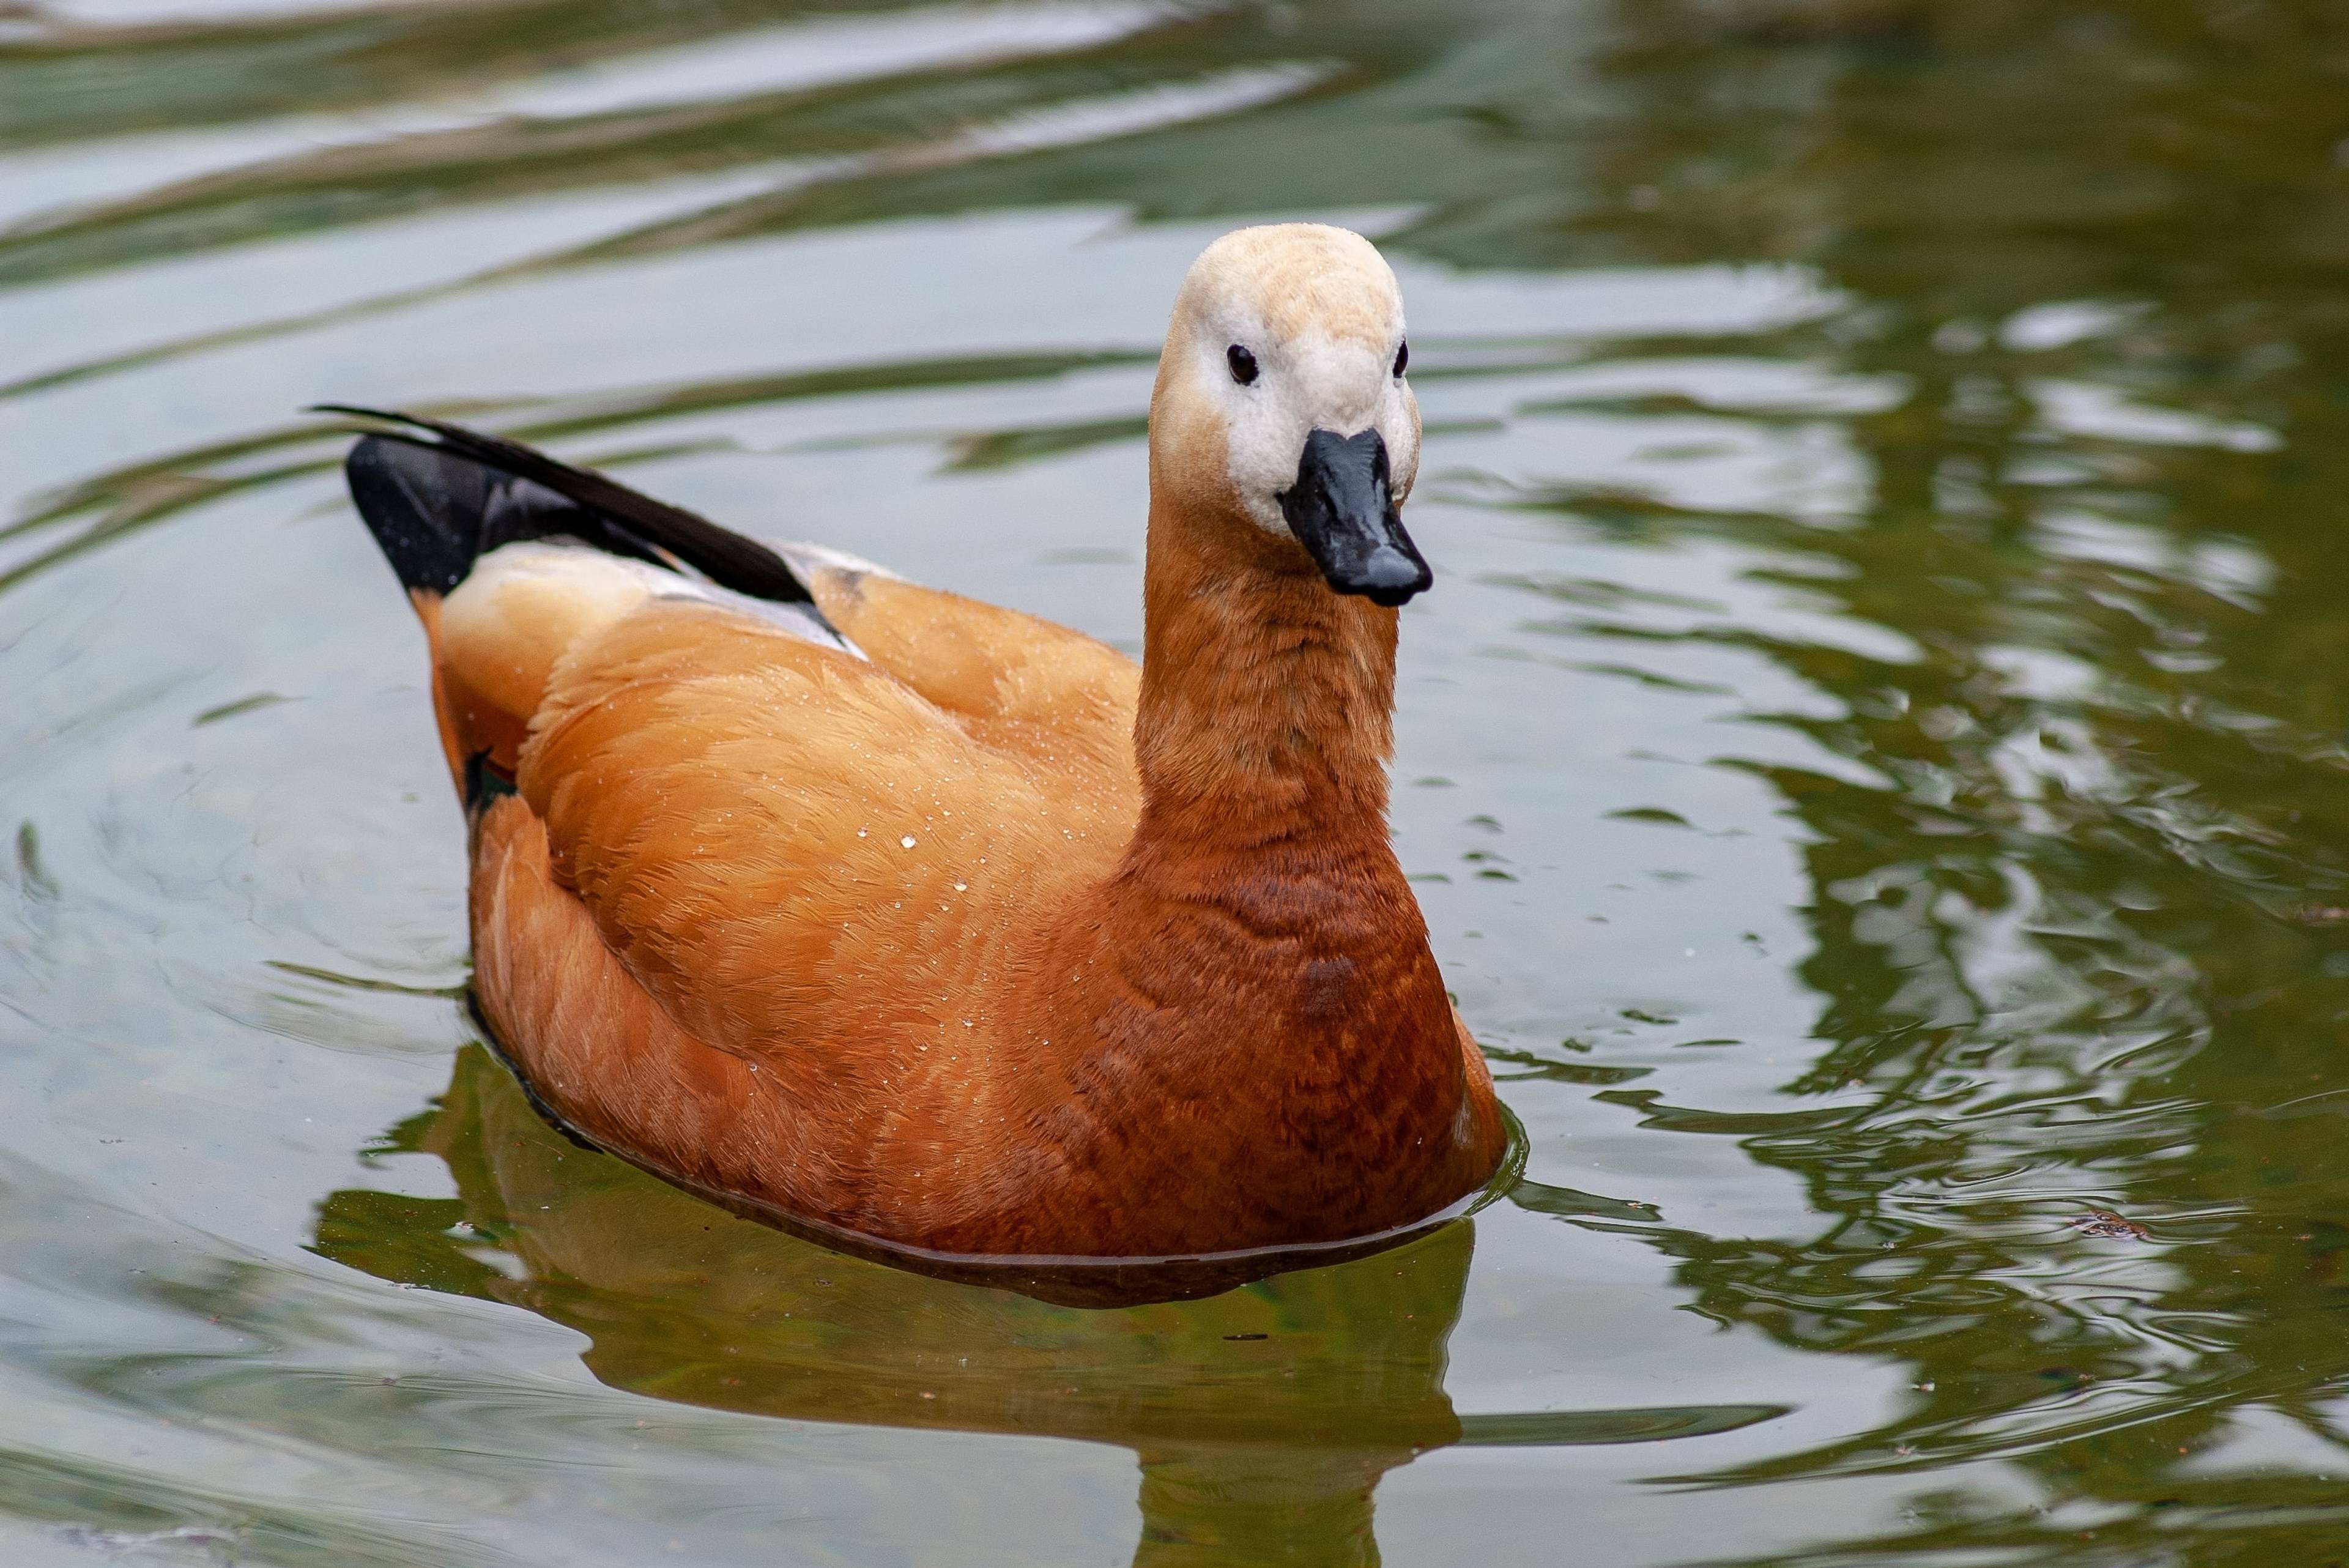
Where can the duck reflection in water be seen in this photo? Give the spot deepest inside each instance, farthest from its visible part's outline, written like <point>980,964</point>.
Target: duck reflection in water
<point>1262,1417</point>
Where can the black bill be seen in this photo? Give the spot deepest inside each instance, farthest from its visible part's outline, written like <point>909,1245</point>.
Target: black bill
<point>1343,512</point>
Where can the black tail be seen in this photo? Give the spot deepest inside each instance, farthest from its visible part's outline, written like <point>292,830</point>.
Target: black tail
<point>435,507</point>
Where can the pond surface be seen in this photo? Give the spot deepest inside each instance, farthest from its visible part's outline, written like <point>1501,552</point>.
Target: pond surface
<point>1873,763</point>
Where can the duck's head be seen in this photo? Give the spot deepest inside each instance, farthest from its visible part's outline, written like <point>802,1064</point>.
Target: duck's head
<point>1281,399</point>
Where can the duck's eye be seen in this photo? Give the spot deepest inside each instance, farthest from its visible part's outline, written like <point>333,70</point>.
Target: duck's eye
<point>1402,357</point>
<point>1242,362</point>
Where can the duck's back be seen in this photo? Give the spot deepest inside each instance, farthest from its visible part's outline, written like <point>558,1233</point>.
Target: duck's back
<point>748,890</point>
<point>777,838</point>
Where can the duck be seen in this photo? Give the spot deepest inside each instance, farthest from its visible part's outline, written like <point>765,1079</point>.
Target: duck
<point>900,916</point>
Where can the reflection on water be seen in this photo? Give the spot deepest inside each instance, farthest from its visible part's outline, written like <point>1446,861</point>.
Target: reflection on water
<point>1262,1418</point>
<point>1874,764</point>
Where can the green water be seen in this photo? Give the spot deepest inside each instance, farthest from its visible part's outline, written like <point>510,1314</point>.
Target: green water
<point>1875,763</point>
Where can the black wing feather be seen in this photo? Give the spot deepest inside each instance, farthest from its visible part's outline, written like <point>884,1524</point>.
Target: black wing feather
<point>608,514</point>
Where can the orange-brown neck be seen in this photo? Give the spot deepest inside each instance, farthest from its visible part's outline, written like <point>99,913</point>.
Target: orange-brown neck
<point>1267,700</point>
<point>1261,740</point>
<point>1256,973</point>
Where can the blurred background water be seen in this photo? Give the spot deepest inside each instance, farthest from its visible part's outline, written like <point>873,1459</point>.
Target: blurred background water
<point>1874,764</point>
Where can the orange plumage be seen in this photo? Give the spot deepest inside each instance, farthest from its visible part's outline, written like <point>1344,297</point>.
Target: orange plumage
<point>932,921</point>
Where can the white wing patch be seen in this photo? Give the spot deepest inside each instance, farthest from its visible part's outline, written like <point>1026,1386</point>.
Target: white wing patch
<point>565,588</point>
<point>804,558</point>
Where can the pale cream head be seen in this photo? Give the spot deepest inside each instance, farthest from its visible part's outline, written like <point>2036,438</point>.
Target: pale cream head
<point>1318,314</point>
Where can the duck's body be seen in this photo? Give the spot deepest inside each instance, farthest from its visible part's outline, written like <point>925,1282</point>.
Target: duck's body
<point>933,922</point>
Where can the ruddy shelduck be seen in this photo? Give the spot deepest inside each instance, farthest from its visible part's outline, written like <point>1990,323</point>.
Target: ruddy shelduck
<point>869,906</point>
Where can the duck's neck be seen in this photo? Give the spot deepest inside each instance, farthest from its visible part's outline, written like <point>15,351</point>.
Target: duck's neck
<point>1268,701</point>
<point>1252,990</point>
